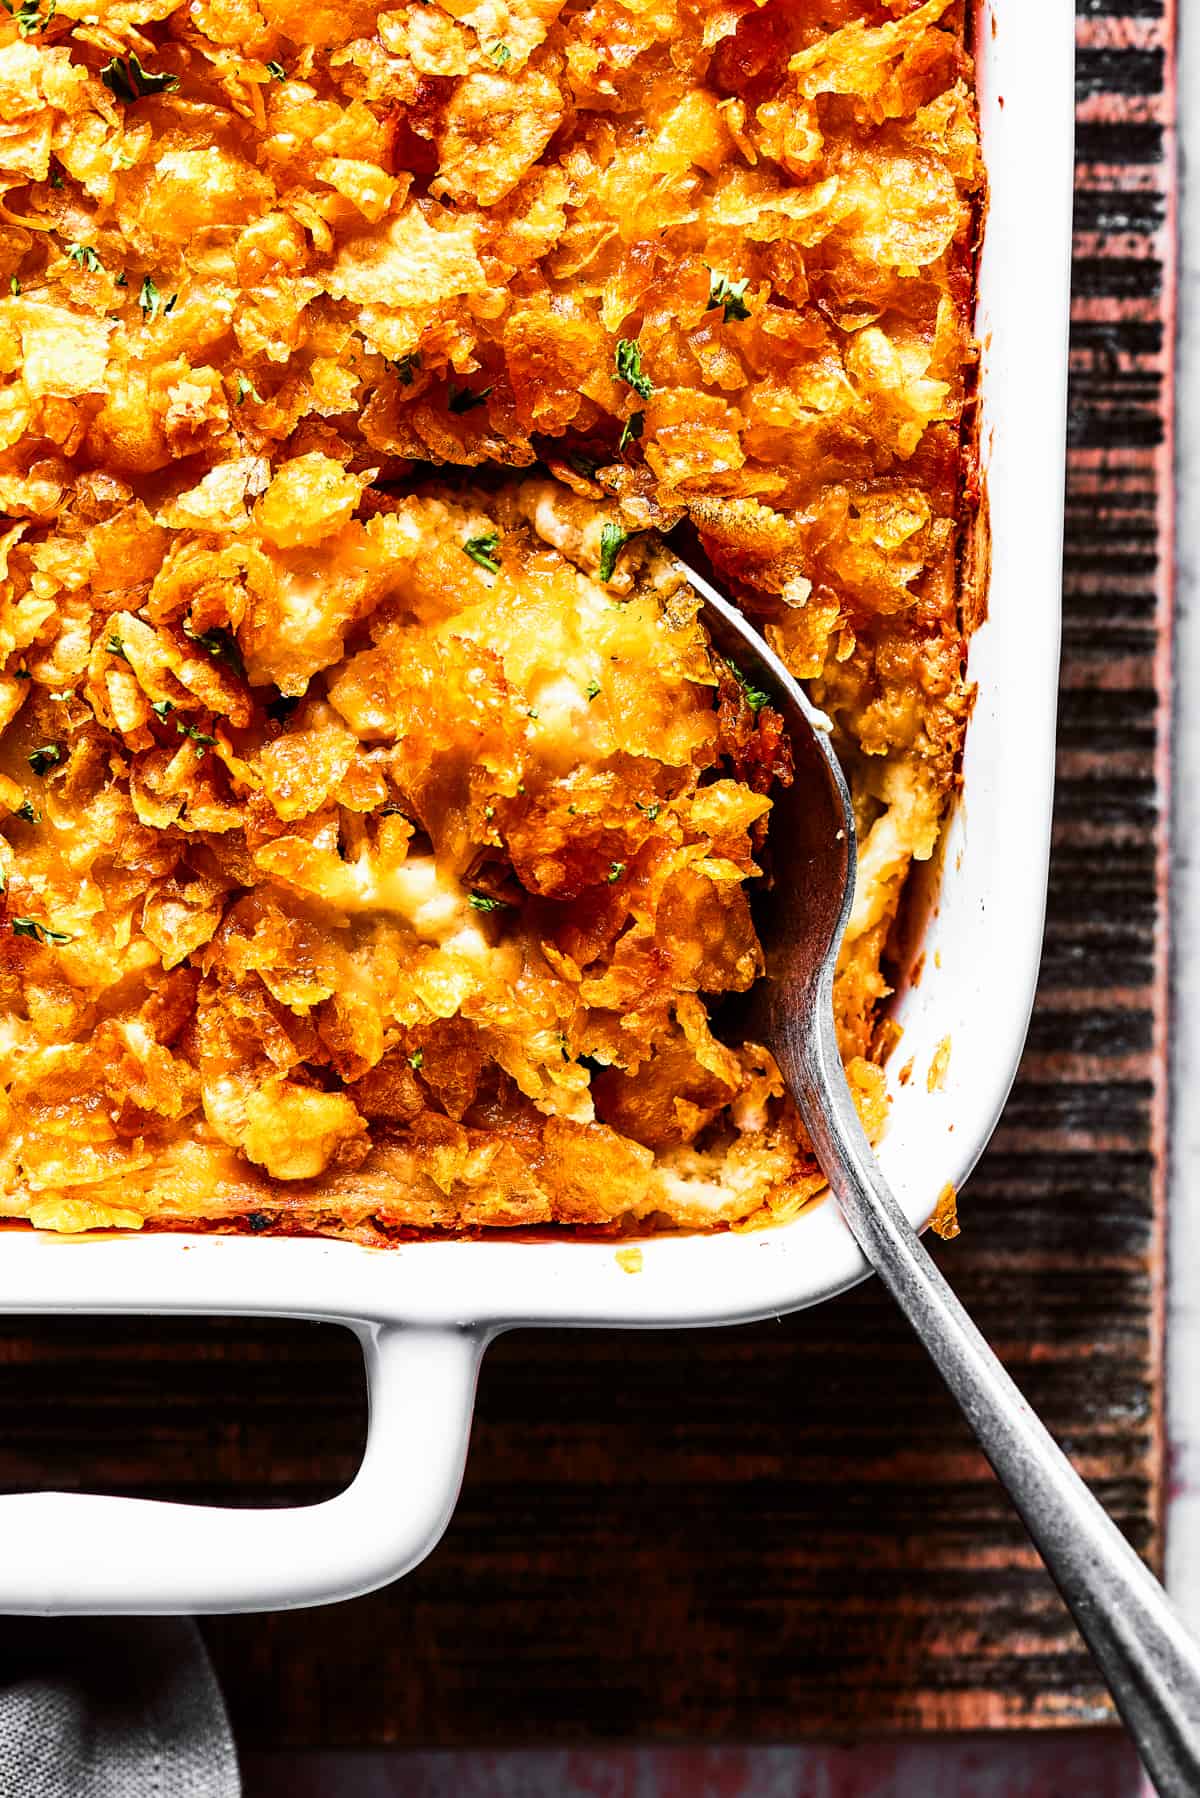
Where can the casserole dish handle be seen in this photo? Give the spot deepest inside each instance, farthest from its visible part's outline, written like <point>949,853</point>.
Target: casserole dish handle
<point>79,1552</point>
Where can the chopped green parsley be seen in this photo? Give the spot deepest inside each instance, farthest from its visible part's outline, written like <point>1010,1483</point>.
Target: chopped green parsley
<point>276,71</point>
<point>593,690</point>
<point>218,643</point>
<point>45,758</point>
<point>125,77</point>
<point>754,696</point>
<point>41,933</point>
<point>612,537</point>
<point>615,871</point>
<point>84,256</point>
<point>631,430</point>
<point>500,54</point>
<point>29,15</point>
<point>465,399</point>
<point>483,550</point>
<point>198,737</point>
<point>729,294</point>
<point>484,902</point>
<point>629,368</point>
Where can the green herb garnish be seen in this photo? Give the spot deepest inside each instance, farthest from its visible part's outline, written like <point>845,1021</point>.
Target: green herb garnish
<point>416,1061</point>
<point>198,737</point>
<point>41,933</point>
<point>84,256</point>
<point>593,690</point>
<point>611,539</point>
<point>162,708</point>
<point>724,292</point>
<point>483,550</point>
<point>629,368</point>
<point>48,756</point>
<point>29,16</point>
<point>652,810</point>
<point>484,902</point>
<point>25,810</point>
<point>500,54</point>
<point>631,430</point>
<point>615,871</point>
<point>14,286</point>
<point>406,367</point>
<point>150,300</point>
<point>754,696</point>
<point>218,643</point>
<point>115,647</point>
<point>276,71</point>
<point>125,77</point>
<point>246,389</point>
<point>465,399</point>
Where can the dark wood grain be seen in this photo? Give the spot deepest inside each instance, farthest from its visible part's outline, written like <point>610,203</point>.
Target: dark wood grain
<point>784,1530</point>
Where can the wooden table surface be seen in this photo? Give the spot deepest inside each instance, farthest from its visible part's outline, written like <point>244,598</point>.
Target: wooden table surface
<point>780,1531</point>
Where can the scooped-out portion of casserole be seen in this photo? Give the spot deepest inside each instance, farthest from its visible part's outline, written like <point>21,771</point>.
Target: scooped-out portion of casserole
<point>377,830</point>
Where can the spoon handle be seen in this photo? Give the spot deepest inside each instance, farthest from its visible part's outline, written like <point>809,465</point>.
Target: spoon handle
<point>1149,1659</point>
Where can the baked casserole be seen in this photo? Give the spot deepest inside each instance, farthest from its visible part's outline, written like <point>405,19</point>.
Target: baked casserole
<point>379,831</point>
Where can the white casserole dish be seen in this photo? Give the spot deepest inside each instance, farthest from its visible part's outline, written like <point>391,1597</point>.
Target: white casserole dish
<point>425,1312</point>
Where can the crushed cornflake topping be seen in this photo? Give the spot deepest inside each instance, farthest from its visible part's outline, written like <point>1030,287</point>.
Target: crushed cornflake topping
<point>263,318</point>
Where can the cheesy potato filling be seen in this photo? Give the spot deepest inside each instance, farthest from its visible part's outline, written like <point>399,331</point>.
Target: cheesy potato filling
<point>377,830</point>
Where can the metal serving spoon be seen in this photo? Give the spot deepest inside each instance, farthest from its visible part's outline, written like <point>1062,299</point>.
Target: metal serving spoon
<point>1151,1663</point>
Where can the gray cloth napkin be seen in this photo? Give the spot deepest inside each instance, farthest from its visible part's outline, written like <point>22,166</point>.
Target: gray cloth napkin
<point>111,1707</point>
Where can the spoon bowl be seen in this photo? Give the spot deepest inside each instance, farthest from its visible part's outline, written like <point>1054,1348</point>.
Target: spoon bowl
<point>1150,1661</point>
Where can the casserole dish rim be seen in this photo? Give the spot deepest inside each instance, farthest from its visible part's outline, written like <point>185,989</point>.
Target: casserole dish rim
<point>424,1311</point>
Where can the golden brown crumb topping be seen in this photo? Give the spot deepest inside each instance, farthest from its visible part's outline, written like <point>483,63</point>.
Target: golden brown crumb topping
<point>373,844</point>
